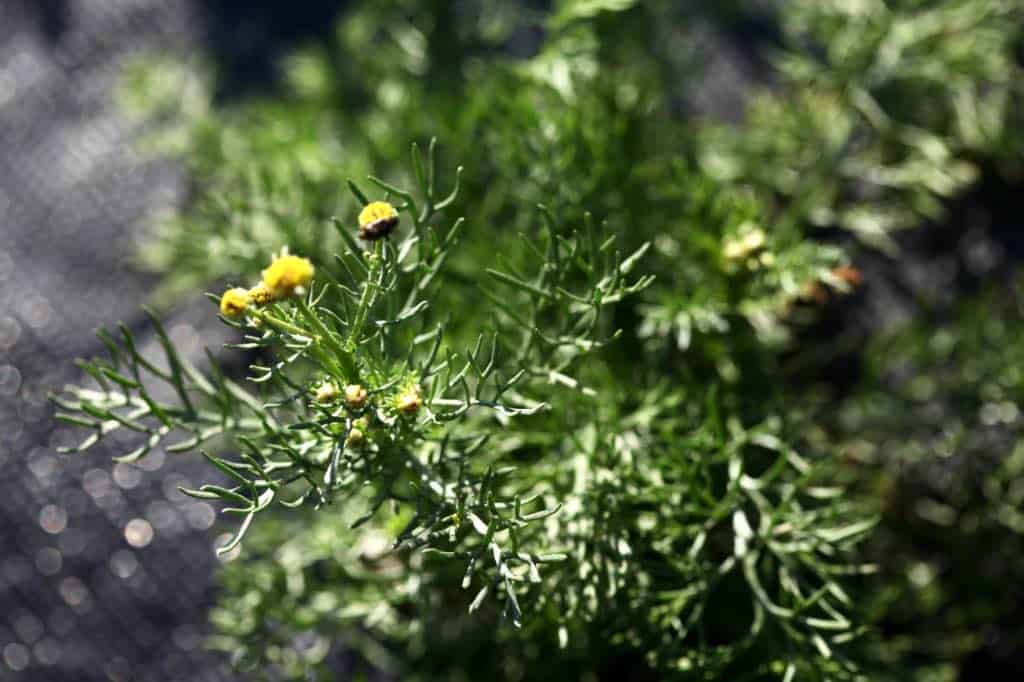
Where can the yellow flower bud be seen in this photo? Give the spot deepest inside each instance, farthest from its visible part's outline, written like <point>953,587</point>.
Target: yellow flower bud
<point>753,240</point>
<point>286,275</point>
<point>234,302</point>
<point>376,220</point>
<point>355,396</point>
<point>355,437</point>
<point>327,392</point>
<point>750,240</point>
<point>357,432</point>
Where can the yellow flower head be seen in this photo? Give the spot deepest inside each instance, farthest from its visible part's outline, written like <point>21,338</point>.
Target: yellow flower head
<point>376,220</point>
<point>260,294</point>
<point>355,396</point>
<point>234,302</point>
<point>408,402</point>
<point>286,275</point>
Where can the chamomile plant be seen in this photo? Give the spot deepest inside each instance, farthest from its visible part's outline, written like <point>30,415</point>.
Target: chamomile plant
<point>357,398</point>
<point>445,457</point>
<point>508,482</point>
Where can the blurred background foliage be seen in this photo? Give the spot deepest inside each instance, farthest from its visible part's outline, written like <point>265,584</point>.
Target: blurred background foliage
<point>775,325</point>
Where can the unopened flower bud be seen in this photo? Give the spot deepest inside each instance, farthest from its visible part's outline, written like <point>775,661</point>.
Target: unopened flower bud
<point>409,401</point>
<point>355,396</point>
<point>327,392</point>
<point>355,437</point>
<point>357,432</point>
<point>749,240</point>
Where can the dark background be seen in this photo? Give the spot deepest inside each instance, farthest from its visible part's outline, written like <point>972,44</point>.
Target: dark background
<point>105,571</point>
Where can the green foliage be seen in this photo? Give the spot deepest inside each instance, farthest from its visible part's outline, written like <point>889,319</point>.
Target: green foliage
<point>883,111</point>
<point>580,456</point>
<point>368,325</point>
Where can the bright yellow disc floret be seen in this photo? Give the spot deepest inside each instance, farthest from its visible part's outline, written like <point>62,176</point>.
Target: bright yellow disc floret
<point>286,274</point>
<point>376,210</point>
<point>260,294</point>
<point>234,302</point>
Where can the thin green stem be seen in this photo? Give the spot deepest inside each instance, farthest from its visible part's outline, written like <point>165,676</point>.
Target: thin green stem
<point>368,295</point>
<point>327,338</point>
